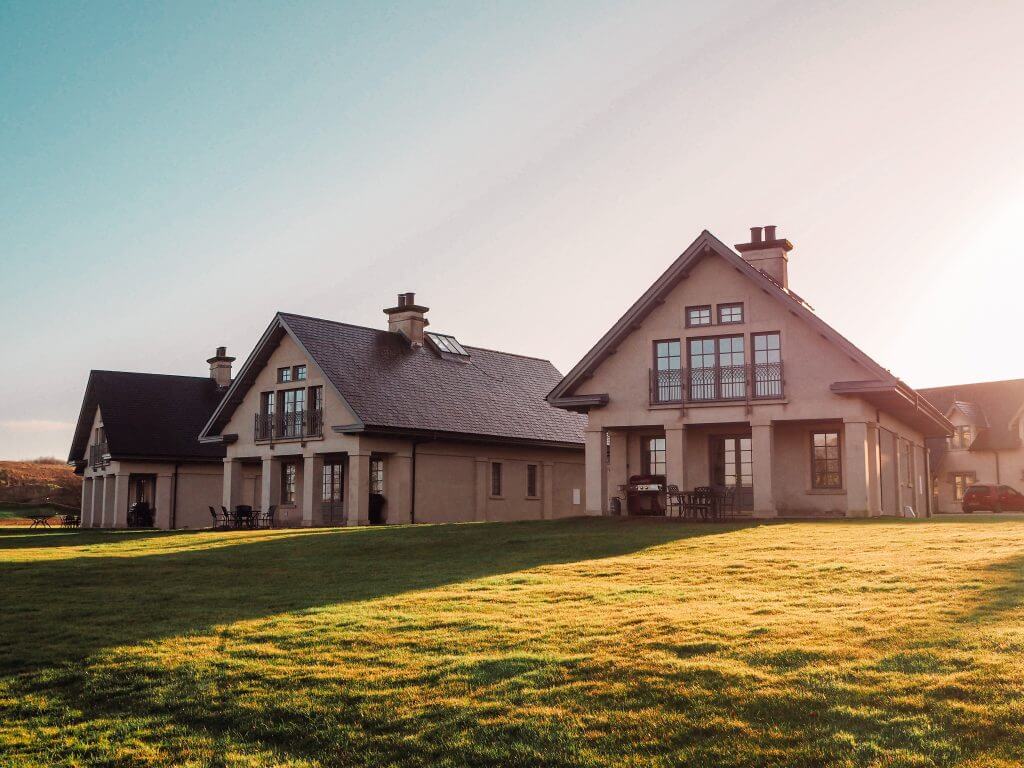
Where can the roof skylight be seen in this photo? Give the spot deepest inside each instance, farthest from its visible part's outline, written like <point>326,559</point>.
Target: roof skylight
<point>444,343</point>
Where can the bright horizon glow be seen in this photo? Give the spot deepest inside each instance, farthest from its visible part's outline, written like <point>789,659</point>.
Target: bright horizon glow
<point>174,175</point>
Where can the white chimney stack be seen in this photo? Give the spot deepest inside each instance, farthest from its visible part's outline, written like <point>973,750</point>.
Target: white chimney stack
<point>408,318</point>
<point>220,368</point>
<point>767,252</point>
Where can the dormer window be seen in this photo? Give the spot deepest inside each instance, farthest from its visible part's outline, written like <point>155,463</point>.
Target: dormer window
<point>697,316</point>
<point>284,375</point>
<point>962,438</point>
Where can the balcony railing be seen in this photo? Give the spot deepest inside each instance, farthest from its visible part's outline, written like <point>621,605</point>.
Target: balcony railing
<point>99,455</point>
<point>754,381</point>
<point>295,425</point>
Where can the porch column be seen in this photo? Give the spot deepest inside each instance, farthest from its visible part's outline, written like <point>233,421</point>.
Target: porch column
<point>874,478</point>
<point>482,488</point>
<point>312,488</point>
<point>398,488</point>
<point>618,465</point>
<point>108,501</point>
<point>596,472</point>
<point>163,500</point>
<point>855,468</point>
<point>358,501</point>
<point>270,484</point>
<point>96,503</point>
<point>762,456</point>
<point>675,457</point>
<point>232,495</point>
<point>548,490</point>
<point>86,513</point>
<point>120,496</point>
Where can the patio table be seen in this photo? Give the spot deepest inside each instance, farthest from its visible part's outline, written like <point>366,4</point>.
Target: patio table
<point>40,521</point>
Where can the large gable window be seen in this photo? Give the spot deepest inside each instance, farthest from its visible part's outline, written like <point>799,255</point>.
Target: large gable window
<point>717,368</point>
<point>767,372</point>
<point>668,383</point>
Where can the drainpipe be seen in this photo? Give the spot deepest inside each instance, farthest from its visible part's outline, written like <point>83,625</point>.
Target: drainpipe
<point>174,499</point>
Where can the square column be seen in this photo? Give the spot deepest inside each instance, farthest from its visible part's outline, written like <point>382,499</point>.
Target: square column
<point>312,489</point>
<point>96,502</point>
<point>596,472</point>
<point>164,501</point>
<point>675,453</point>
<point>874,478</point>
<point>482,488</point>
<point>270,485</point>
<point>358,491</point>
<point>85,515</point>
<point>618,465</point>
<point>547,490</point>
<point>232,495</point>
<point>108,501</point>
<point>398,489</point>
<point>762,449</point>
<point>120,498</point>
<point>855,468</point>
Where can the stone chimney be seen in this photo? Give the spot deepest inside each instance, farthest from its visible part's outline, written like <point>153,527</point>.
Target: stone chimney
<point>408,318</point>
<point>220,368</point>
<point>767,252</point>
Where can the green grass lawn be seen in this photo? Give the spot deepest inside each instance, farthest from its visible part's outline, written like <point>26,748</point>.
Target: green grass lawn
<point>572,643</point>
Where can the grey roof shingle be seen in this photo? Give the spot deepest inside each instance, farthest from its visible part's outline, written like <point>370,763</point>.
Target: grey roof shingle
<point>148,415</point>
<point>390,385</point>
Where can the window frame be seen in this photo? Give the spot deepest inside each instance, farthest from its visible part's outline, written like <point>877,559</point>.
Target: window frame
<point>295,373</point>
<point>815,484</point>
<point>699,308</point>
<point>532,481</point>
<point>956,442</point>
<point>284,375</point>
<point>960,489</point>
<point>648,457</point>
<point>731,305</point>
<point>718,385</point>
<point>673,392</point>
<point>289,478</point>
<point>497,480</point>
<point>376,471</point>
<point>907,464</point>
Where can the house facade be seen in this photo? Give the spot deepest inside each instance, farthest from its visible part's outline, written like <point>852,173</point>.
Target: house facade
<point>987,444</point>
<point>336,424</point>
<point>136,447</point>
<point>720,375</point>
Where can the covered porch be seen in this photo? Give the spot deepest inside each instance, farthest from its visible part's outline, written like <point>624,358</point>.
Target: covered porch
<point>820,467</point>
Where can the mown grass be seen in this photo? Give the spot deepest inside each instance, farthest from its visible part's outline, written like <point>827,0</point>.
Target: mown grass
<point>571,643</point>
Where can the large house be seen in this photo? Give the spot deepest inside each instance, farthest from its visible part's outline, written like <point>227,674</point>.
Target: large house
<point>334,424</point>
<point>720,375</point>
<point>987,444</point>
<point>136,441</point>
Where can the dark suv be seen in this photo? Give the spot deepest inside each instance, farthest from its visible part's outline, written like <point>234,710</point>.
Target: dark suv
<point>992,498</point>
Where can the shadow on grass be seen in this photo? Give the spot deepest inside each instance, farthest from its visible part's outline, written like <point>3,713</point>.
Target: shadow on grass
<point>65,608</point>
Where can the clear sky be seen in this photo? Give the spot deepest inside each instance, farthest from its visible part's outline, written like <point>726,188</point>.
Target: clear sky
<point>171,174</point>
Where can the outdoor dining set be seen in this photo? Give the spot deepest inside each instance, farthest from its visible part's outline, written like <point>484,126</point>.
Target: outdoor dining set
<point>702,503</point>
<point>243,517</point>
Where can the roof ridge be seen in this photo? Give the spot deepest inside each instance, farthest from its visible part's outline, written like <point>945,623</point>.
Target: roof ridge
<point>954,387</point>
<point>382,330</point>
<point>147,373</point>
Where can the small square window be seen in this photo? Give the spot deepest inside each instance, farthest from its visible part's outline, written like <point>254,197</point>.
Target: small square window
<point>284,375</point>
<point>698,316</point>
<point>730,313</point>
<point>300,373</point>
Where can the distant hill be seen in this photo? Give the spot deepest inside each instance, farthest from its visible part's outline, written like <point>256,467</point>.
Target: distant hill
<point>38,482</point>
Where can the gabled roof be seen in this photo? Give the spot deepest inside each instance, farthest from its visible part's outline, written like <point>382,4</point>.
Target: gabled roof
<point>994,406</point>
<point>884,387</point>
<point>148,415</point>
<point>393,387</point>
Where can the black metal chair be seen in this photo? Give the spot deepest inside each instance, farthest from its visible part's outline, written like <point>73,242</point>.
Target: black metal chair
<point>673,501</point>
<point>267,520</point>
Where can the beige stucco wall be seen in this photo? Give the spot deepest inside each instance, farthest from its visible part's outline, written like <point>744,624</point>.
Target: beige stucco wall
<point>780,427</point>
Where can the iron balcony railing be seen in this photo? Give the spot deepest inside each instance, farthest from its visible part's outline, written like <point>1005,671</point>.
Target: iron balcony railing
<point>754,381</point>
<point>99,455</point>
<point>294,425</point>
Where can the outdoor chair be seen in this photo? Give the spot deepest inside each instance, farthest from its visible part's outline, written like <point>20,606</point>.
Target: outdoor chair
<point>267,520</point>
<point>673,501</point>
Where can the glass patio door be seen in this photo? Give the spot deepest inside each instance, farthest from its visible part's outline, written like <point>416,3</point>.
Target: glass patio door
<point>732,467</point>
<point>332,506</point>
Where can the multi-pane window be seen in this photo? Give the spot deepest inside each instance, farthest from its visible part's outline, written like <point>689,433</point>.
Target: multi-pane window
<point>767,373</point>
<point>376,474</point>
<point>495,478</point>
<point>696,316</point>
<point>333,487</point>
<point>717,370</point>
<point>963,436</point>
<point>654,456</point>
<point>531,480</point>
<point>826,471</point>
<point>300,373</point>
<point>265,422</point>
<point>284,375</point>
<point>961,482</point>
<point>730,313</point>
<point>293,402</point>
<point>668,383</point>
<point>288,483</point>
<point>907,463</point>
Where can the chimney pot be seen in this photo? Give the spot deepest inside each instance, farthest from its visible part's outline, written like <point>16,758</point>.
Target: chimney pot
<point>222,351</point>
<point>769,232</point>
<point>401,299</point>
<point>755,234</point>
<point>410,298</point>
